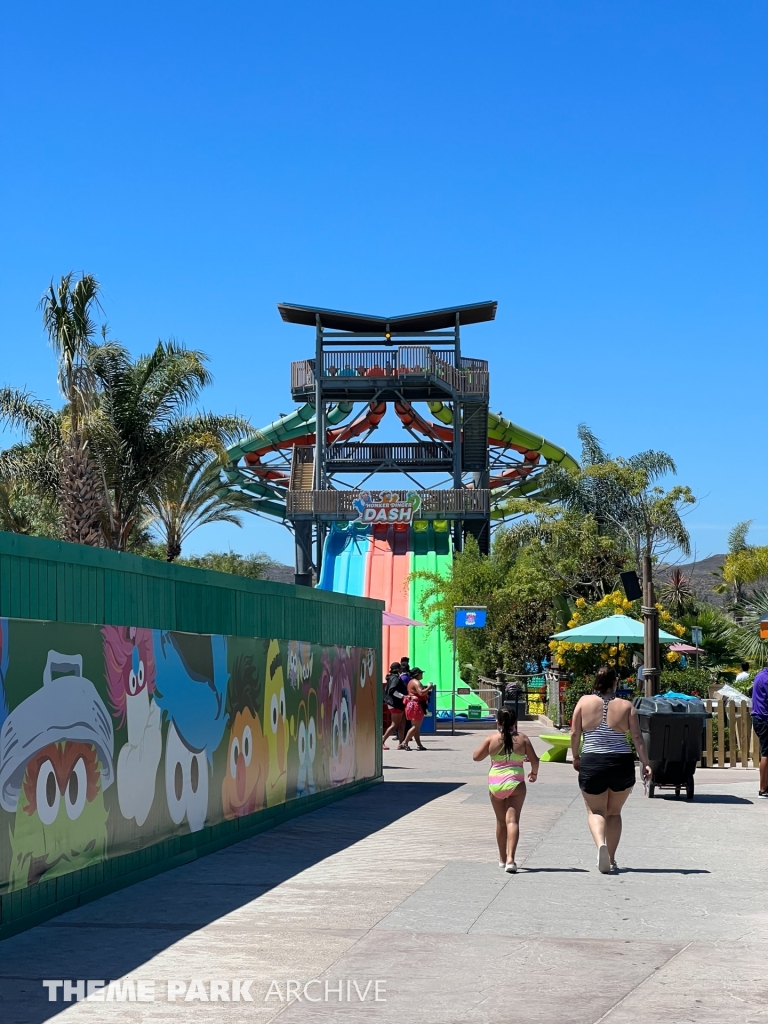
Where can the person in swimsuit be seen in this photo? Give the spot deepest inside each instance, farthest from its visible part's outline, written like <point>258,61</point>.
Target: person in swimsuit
<point>508,750</point>
<point>416,704</point>
<point>605,763</point>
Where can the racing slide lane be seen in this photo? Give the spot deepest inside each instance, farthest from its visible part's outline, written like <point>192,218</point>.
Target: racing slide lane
<point>386,573</point>
<point>344,556</point>
<point>433,650</point>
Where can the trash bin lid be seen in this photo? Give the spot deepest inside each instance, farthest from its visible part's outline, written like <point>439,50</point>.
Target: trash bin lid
<point>670,706</point>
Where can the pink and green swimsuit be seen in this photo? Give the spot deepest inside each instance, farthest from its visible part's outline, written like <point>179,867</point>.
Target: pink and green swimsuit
<point>506,773</point>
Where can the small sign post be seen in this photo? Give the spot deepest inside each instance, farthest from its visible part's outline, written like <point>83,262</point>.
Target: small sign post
<point>696,638</point>
<point>464,617</point>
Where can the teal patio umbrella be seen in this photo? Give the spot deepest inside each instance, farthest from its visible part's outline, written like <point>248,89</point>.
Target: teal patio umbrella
<point>614,629</point>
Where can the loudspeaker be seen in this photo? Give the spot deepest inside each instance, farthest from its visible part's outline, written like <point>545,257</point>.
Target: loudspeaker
<point>631,585</point>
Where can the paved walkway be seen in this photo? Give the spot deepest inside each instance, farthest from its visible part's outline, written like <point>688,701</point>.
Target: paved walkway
<point>401,884</point>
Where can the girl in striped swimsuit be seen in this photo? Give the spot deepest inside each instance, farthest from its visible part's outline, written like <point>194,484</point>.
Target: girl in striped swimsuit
<point>508,750</point>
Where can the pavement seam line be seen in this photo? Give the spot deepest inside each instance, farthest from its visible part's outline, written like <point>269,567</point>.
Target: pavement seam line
<point>641,983</point>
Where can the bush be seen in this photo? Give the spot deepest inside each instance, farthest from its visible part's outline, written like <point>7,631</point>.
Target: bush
<point>577,688</point>
<point>694,682</point>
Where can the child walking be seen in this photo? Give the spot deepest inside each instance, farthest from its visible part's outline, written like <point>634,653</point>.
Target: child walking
<point>508,750</point>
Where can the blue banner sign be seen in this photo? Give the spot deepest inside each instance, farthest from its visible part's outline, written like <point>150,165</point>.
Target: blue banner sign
<point>470,618</point>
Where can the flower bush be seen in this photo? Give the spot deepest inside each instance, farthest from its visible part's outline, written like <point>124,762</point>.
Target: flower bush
<point>584,659</point>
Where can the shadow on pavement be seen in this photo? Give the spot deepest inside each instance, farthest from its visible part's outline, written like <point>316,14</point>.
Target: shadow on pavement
<point>664,871</point>
<point>710,798</point>
<point>112,936</point>
<point>536,871</point>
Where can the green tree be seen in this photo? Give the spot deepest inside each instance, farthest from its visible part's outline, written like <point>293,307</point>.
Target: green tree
<point>190,496</point>
<point>142,429</point>
<point>69,319</point>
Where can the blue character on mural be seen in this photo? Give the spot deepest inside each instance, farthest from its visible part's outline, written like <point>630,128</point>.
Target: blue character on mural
<point>191,680</point>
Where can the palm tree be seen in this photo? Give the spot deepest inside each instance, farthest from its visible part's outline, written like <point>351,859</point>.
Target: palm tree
<point>677,592</point>
<point>68,318</point>
<point>190,496</point>
<point>624,497</point>
<point>141,430</point>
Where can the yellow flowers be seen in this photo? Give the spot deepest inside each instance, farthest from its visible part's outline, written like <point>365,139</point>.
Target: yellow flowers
<point>612,651</point>
<point>580,602</point>
<point>666,617</point>
<point>673,656</point>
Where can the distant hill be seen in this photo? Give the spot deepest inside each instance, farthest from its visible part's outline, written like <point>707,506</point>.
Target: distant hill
<point>278,573</point>
<point>700,575</point>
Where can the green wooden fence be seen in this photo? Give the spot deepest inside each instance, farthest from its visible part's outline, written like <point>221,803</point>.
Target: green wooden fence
<point>50,580</point>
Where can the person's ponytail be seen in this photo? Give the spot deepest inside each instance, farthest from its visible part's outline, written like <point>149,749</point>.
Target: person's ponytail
<point>506,719</point>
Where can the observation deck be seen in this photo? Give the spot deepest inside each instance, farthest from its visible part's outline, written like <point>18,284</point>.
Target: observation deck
<point>415,372</point>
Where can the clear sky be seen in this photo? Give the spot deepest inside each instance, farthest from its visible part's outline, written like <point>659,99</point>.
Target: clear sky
<point>597,167</point>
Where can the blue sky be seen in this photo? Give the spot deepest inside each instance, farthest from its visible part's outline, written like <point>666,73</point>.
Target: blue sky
<point>597,167</point>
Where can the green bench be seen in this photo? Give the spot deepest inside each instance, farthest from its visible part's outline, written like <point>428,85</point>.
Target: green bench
<point>559,744</point>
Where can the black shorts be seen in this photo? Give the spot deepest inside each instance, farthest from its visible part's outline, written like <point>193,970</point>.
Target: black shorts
<point>760,725</point>
<point>599,772</point>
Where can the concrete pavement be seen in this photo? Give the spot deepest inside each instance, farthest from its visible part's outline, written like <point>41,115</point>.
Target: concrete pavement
<point>400,885</point>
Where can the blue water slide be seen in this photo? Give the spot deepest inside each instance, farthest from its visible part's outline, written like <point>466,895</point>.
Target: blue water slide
<point>346,549</point>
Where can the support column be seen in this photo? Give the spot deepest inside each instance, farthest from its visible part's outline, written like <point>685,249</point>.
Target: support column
<point>303,535</point>
<point>651,650</point>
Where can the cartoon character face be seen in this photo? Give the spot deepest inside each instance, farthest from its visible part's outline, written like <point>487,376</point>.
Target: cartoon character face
<point>276,727</point>
<point>306,740</point>
<point>130,667</point>
<point>342,719</point>
<point>130,672</point>
<point>61,819</point>
<point>186,781</point>
<point>365,711</point>
<point>191,686</point>
<point>244,787</point>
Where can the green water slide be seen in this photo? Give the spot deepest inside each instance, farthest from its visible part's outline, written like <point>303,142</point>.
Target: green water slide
<point>432,650</point>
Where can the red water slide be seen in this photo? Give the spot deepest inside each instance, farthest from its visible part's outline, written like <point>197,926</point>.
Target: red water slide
<point>386,572</point>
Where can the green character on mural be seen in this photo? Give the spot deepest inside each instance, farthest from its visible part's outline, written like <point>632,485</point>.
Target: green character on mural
<point>56,750</point>
<point>276,729</point>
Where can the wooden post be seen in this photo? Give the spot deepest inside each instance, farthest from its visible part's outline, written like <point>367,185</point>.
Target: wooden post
<point>651,667</point>
<point>745,735</point>
<point>708,761</point>
<point>720,753</point>
<point>733,736</point>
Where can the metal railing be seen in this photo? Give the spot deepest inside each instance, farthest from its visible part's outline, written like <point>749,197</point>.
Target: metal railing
<point>455,502</point>
<point>470,377</point>
<point>398,454</point>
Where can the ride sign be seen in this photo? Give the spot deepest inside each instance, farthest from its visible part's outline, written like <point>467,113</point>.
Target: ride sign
<point>386,507</point>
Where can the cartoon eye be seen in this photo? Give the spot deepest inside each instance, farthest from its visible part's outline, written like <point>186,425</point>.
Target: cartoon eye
<point>306,670</point>
<point>47,793</point>
<point>273,713</point>
<point>335,734</point>
<point>234,753</point>
<point>302,742</point>
<point>282,703</point>
<point>344,720</point>
<point>140,675</point>
<point>77,787</point>
<point>186,781</point>
<point>312,739</point>
<point>132,682</point>
<point>370,662</point>
<point>247,745</point>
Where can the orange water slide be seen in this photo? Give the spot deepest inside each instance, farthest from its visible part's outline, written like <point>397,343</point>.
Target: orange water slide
<point>386,572</point>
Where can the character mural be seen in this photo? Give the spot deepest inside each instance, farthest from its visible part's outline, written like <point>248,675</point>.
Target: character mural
<point>244,788</point>
<point>277,730</point>
<point>191,681</point>
<point>365,708</point>
<point>55,764</point>
<point>194,729</point>
<point>129,662</point>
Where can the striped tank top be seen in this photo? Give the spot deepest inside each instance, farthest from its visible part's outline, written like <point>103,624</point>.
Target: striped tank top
<point>506,772</point>
<point>604,739</point>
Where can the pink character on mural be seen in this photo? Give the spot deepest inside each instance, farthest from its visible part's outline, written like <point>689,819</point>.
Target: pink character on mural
<point>342,718</point>
<point>130,675</point>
